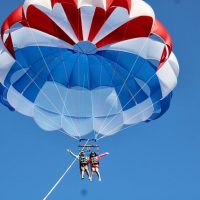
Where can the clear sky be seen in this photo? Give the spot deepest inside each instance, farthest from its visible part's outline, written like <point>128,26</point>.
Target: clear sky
<point>154,161</point>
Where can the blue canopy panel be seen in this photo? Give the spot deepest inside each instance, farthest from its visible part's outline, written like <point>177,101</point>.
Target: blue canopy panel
<point>161,107</point>
<point>133,78</point>
<point>140,78</point>
<point>3,97</point>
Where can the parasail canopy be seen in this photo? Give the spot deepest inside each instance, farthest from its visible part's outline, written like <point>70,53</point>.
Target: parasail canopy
<point>85,66</point>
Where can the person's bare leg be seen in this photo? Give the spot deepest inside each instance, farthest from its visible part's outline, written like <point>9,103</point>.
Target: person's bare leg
<point>93,170</point>
<point>98,173</point>
<point>82,173</point>
<point>88,173</point>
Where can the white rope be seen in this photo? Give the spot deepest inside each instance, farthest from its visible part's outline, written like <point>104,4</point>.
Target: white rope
<point>65,173</point>
<point>54,187</point>
<point>67,94</point>
<point>141,89</point>
<point>33,81</point>
<point>49,120</point>
<point>33,36</point>
<point>134,116</point>
<point>119,53</point>
<point>133,66</point>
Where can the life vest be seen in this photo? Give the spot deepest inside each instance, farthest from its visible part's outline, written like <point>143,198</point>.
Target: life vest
<point>83,160</point>
<point>94,161</point>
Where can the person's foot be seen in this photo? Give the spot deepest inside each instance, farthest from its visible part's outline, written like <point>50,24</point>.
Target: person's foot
<point>90,178</point>
<point>99,179</point>
<point>82,178</point>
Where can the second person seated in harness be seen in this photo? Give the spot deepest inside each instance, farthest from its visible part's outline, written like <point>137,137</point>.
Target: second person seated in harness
<point>83,161</point>
<point>94,163</point>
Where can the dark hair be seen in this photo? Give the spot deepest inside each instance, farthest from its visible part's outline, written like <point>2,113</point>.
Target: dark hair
<point>82,153</point>
<point>93,153</point>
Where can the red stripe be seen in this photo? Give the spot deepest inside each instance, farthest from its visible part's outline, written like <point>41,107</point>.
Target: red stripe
<point>122,3</point>
<point>138,27</point>
<point>99,18</point>
<point>161,31</point>
<point>109,3</point>
<point>35,19</point>
<point>74,16</point>
<point>15,17</point>
<point>163,59</point>
<point>38,20</point>
<point>9,45</point>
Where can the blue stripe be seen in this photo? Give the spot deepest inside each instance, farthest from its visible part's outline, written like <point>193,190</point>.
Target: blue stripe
<point>3,97</point>
<point>72,69</point>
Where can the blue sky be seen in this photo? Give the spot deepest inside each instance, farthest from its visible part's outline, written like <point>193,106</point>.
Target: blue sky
<point>154,161</point>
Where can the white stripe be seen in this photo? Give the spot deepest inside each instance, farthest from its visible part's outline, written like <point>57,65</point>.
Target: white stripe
<point>5,36</point>
<point>152,50</point>
<point>46,121</point>
<point>6,62</point>
<point>19,102</point>
<point>141,116</point>
<point>119,17</point>
<point>20,39</point>
<point>94,3</point>
<point>59,17</point>
<point>114,124</point>
<point>168,74</point>
<point>141,8</point>
<point>57,14</point>
<point>38,3</point>
<point>87,14</point>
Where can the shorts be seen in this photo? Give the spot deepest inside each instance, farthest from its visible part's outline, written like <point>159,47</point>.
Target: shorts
<point>95,168</point>
<point>84,168</point>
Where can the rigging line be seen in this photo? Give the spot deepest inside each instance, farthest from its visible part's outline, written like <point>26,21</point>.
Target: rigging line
<point>66,74</point>
<point>144,85</point>
<point>81,109</point>
<point>133,66</point>
<point>47,119</point>
<point>89,84</point>
<point>127,88</point>
<point>25,72</point>
<point>141,89</point>
<point>78,37</point>
<point>92,109</point>
<point>119,52</point>
<point>33,81</point>
<point>70,97</point>
<point>50,74</point>
<point>60,130</point>
<point>68,77</point>
<point>35,77</point>
<point>100,77</point>
<point>65,173</point>
<point>78,65</point>
<point>101,71</point>
<point>38,88</point>
<point>57,183</point>
<point>134,116</point>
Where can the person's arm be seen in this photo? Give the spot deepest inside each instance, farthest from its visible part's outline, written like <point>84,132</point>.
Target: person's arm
<point>71,153</point>
<point>102,155</point>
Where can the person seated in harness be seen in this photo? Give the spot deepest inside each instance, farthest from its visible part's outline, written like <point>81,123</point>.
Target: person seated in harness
<point>83,161</point>
<point>94,163</point>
